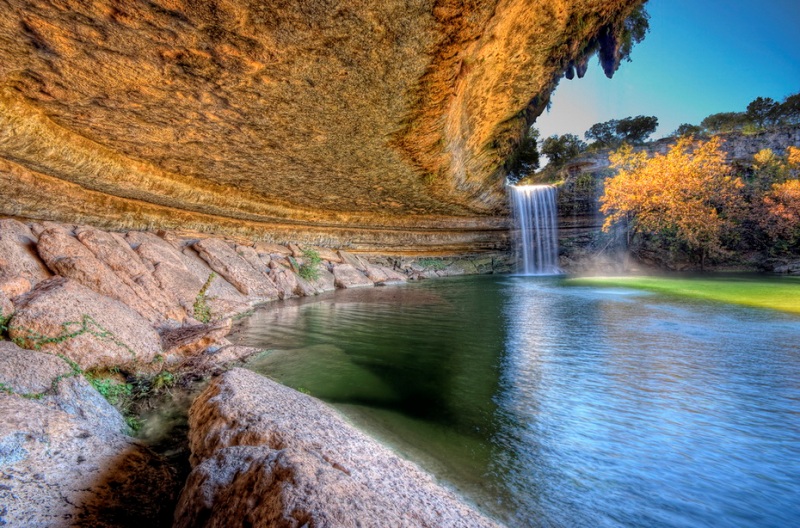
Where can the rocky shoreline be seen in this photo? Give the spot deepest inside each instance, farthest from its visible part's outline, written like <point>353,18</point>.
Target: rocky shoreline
<point>83,310</point>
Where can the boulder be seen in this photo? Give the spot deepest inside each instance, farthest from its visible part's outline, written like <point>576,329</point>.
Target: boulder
<point>346,276</point>
<point>353,260</point>
<point>223,296</point>
<point>14,286</point>
<point>61,470</point>
<point>64,317</point>
<point>325,280</point>
<point>184,274</point>
<point>381,275</point>
<point>328,254</point>
<point>288,282</point>
<point>225,261</point>
<point>53,382</point>
<point>66,256</point>
<point>6,307</point>
<point>191,340</point>
<point>251,256</point>
<point>116,253</point>
<point>266,455</point>
<point>296,251</point>
<point>18,256</point>
<point>267,249</point>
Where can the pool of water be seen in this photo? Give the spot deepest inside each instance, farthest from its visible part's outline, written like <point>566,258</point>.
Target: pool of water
<point>549,405</point>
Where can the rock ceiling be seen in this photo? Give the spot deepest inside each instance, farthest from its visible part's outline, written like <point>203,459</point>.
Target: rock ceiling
<point>370,123</point>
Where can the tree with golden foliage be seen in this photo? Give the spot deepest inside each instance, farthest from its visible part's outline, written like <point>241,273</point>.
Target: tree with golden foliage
<point>688,195</point>
<point>781,220</point>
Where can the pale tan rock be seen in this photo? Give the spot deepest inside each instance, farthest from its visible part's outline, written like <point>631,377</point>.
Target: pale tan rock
<point>325,280</point>
<point>328,254</point>
<point>352,260</point>
<point>6,307</point>
<point>116,253</point>
<point>15,286</point>
<point>184,273</point>
<point>296,251</point>
<point>289,283</point>
<point>272,456</point>
<point>251,256</point>
<point>108,333</point>
<point>224,260</point>
<point>18,256</point>
<point>346,276</point>
<point>268,249</point>
<point>60,470</point>
<point>225,299</point>
<point>381,275</point>
<point>191,340</point>
<point>53,382</point>
<point>65,255</point>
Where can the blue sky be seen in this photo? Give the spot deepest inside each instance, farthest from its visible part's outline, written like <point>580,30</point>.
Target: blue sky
<point>700,57</point>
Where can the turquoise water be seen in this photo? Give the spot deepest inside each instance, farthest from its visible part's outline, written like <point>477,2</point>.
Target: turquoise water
<point>548,405</point>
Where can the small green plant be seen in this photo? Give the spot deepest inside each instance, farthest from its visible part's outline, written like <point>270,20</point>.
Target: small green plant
<point>4,319</point>
<point>432,264</point>
<point>309,268</point>
<point>117,393</point>
<point>304,390</point>
<point>202,311</point>
<point>27,338</point>
<point>163,380</point>
<point>134,423</point>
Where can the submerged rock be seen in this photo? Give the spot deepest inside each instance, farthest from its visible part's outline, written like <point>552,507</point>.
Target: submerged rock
<point>266,455</point>
<point>95,331</point>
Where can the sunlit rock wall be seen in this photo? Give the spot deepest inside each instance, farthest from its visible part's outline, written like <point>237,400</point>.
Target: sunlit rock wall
<point>366,124</point>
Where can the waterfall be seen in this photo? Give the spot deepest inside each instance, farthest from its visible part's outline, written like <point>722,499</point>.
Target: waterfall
<point>536,221</point>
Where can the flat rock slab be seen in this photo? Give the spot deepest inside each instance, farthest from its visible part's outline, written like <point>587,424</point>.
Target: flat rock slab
<point>267,455</point>
<point>64,317</point>
<point>346,276</point>
<point>225,261</point>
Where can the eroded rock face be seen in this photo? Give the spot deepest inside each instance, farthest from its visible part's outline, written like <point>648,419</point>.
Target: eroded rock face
<point>346,276</point>
<point>18,256</point>
<point>235,269</point>
<point>64,317</point>
<point>383,124</point>
<point>266,455</point>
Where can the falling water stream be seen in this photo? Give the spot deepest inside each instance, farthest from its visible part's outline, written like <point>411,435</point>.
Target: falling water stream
<point>537,239</point>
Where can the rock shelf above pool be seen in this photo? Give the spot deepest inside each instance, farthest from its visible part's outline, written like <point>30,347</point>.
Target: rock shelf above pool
<point>268,455</point>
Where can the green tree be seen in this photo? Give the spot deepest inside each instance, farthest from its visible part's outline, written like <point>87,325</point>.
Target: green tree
<point>724,122</point>
<point>687,129</point>
<point>560,149</point>
<point>762,111</point>
<point>636,129</point>
<point>603,134</point>
<point>525,159</point>
<point>788,112</point>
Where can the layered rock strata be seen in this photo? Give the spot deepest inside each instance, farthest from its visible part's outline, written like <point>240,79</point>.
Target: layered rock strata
<point>370,125</point>
<point>267,455</point>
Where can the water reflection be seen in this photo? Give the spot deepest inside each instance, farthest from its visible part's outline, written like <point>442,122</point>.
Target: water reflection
<point>633,411</point>
<point>555,406</point>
